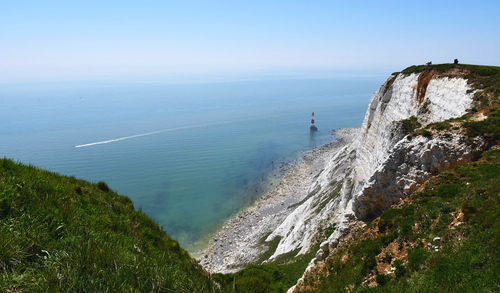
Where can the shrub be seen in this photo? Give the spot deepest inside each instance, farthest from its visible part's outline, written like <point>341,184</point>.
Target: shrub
<point>4,207</point>
<point>387,258</point>
<point>448,190</point>
<point>445,209</point>
<point>383,279</point>
<point>103,186</point>
<point>409,125</point>
<point>387,219</point>
<point>369,247</point>
<point>386,239</point>
<point>405,230</point>
<point>400,268</point>
<point>427,133</point>
<point>405,227</point>
<point>369,263</point>
<point>416,257</point>
<point>79,190</point>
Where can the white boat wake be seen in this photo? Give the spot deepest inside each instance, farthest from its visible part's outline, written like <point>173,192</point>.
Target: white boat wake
<point>167,130</point>
<point>144,134</point>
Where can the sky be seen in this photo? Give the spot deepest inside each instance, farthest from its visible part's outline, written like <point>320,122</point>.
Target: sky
<point>72,40</point>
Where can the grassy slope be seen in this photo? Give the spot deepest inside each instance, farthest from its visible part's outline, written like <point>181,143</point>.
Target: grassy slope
<point>62,234</point>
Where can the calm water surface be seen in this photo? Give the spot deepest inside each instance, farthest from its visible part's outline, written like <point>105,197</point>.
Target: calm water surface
<point>188,155</point>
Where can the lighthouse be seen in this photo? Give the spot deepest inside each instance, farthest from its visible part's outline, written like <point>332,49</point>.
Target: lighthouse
<point>313,127</point>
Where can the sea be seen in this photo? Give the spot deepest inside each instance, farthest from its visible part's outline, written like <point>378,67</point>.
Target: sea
<point>189,155</point>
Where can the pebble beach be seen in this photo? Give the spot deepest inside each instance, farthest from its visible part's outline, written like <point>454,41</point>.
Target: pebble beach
<point>241,240</point>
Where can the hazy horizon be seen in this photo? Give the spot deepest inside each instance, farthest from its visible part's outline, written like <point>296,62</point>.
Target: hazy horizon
<point>223,40</point>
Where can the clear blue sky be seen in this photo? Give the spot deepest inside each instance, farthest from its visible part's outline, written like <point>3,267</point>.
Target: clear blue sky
<point>104,39</point>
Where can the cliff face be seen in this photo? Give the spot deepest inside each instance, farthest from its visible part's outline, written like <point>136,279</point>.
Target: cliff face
<point>402,142</point>
<point>409,164</point>
<point>381,164</point>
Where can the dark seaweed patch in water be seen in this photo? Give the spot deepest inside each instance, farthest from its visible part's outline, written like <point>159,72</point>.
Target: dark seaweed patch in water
<point>156,206</point>
<point>252,181</point>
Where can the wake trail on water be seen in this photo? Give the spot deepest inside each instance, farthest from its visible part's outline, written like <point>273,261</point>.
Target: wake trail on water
<point>168,130</point>
<point>145,134</point>
<point>158,132</point>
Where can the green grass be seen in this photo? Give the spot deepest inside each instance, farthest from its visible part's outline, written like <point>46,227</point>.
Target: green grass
<point>276,276</point>
<point>488,128</point>
<point>468,258</point>
<point>482,70</point>
<point>61,234</point>
<point>408,125</point>
<point>271,247</point>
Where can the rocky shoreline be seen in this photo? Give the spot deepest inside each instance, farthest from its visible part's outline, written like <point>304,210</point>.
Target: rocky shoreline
<point>241,240</point>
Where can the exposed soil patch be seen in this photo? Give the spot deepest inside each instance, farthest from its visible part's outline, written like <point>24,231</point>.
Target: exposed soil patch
<point>425,77</point>
<point>389,83</point>
<point>423,81</point>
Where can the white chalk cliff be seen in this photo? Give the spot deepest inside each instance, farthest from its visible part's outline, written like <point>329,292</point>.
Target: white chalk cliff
<point>360,166</point>
<point>383,165</point>
<point>376,168</point>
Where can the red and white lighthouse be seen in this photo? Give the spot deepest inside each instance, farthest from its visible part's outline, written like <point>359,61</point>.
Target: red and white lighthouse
<point>313,127</point>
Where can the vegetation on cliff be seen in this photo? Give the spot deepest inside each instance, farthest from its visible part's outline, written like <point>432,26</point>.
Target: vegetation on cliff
<point>445,238</point>
<point>66,235</point>
<point>483,119</point>
<point>275,276</point>
<point>485,80</point>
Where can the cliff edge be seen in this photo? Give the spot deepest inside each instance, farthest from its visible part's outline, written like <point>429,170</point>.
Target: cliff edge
<point>422,121</point>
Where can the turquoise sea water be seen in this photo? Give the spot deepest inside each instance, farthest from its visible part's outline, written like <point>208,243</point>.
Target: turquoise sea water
<point>188,155</point>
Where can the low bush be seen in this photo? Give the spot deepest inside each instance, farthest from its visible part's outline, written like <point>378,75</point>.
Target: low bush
<point>409,125</point>
<point>427,133</point>
<point>103,186</point>
<point>448,190</point>
<point>416,258</point>
<point>382,279</point>
<point>400,269</point>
